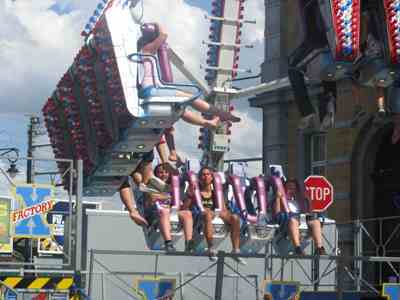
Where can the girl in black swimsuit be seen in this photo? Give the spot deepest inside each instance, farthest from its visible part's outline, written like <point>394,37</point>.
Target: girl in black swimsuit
<point>207,195</point>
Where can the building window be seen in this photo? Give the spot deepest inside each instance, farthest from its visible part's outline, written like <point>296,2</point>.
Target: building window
<point>318,154</point>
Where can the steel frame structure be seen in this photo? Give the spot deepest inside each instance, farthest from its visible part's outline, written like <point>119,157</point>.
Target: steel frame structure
<point>350,265</point>
<point>345,265</point>
<point>73,255</point>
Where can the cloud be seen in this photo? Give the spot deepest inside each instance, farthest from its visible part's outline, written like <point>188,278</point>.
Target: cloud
<point>39,39</point>
<point>37,46</point>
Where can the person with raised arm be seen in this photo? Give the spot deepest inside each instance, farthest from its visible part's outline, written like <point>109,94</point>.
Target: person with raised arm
<point>159,204</point>
<point>153,37</point>
<point>287,215</point>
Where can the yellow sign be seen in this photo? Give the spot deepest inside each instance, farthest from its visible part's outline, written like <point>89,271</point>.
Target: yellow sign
<point>6,245</point>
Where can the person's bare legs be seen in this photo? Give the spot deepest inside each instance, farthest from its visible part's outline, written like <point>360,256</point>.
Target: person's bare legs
<point>197,119</point>
<point>128,200</point>
<point>293,231</point>
<point>162,150</point>
<point>165,224</point>
<point>185,217</point>
<point>137,178</point>
<point>234,222</point>
<point>208,229</point>
<point>147,172</point>
<point>169,137</point>
<point>199,104</point>
<point>316,232</point>
<point>203,106</point>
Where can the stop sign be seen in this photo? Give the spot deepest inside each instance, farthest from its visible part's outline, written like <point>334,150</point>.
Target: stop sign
<point>320,191</point>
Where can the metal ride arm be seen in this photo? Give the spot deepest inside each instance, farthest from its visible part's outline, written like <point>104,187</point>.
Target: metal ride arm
<point>222,65</point>
<point>180,65</point>
<point>261,88</point>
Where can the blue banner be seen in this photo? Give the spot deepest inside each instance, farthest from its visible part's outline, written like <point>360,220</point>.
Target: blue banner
<point>282,290</point>
<point>156,288</point>
<point>34,202</point>
<point>391,291</point>
<point>10,295</point>
<point>309,295</point>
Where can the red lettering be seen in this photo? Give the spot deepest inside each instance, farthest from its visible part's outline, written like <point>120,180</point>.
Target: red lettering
<point>14,216</point>
<point>33,210</point>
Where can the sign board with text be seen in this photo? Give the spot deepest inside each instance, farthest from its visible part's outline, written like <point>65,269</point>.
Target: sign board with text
<point>156,288</point>
<point>391,291</point>
<point>6,241</point>
<point>320,192</point>
<point>57,219</point>
<point>281,290</point>
<point>33,202</point>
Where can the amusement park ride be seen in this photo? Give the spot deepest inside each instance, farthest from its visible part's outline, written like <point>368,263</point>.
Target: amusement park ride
<point>96,115</point>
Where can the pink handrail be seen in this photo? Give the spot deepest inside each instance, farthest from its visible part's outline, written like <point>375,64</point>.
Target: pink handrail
<point>194,184</point>
<point>176,192</point>
<point>238,193</point>
<point>218,192</point>
<point>258,184</point>
<point>275,180</point>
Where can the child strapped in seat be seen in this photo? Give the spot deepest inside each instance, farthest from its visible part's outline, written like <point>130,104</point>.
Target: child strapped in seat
<point>287,215</point>
<point>207,195</point>
<point>159,203</point>
<point>153,37</point>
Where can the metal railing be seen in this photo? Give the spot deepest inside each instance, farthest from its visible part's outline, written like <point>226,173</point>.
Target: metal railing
<point>338,268</point>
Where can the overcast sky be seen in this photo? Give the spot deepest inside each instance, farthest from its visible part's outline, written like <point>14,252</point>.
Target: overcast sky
<point>39,39</point>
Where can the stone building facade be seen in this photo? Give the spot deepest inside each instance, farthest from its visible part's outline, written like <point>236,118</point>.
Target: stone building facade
<point>350,154</point>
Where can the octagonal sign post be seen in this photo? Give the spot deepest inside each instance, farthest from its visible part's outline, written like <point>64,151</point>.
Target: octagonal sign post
<point>320,191</point>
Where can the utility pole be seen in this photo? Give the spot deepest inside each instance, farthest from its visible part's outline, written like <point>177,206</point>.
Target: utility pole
<point>34,123</point>
<point>29,152</point>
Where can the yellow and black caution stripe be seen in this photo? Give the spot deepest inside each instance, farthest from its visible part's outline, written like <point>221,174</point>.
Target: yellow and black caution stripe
<point>38,283</point>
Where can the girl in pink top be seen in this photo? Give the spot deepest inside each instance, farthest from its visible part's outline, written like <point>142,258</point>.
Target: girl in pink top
<point>153,36</point>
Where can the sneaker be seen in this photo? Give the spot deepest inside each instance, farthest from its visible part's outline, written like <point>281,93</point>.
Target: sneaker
<point>223,115</point>
<point>189,246</point>
<point>320,251</point>
<point>169,247</point>
<point>212,255</point>
<point>298,251</point>
<point>227,116</point>
<point>239,260</point>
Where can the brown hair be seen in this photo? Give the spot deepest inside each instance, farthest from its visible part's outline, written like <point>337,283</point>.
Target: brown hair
<point>147,36</point>
<point>300,196</point>
<point>201,172</point>
<point>168,168</point>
